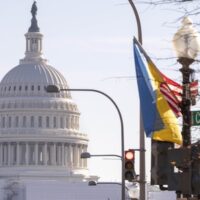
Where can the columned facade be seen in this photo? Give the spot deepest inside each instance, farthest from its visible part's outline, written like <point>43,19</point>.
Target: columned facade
<point>40,154</point>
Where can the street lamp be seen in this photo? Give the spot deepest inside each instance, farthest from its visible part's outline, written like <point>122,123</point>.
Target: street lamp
<point>56,89</point>
<point>85,155</point>
<point>186,43</point>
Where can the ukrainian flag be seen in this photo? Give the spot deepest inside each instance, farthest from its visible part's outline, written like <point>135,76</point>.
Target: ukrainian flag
<point>159,120</point>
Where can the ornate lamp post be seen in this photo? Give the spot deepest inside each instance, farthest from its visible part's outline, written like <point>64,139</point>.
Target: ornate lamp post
<point>187,45</point>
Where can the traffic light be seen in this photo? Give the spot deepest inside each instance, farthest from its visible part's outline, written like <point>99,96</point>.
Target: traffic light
<point>196,168</point>
<point>160,167</point>
<point>129,173</point>
<point>180,177</point>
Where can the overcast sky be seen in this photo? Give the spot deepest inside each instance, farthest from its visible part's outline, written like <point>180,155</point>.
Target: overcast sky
<point>90,43</point>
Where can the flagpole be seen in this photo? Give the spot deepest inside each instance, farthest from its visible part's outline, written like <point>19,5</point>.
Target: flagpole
<point>142,180</point>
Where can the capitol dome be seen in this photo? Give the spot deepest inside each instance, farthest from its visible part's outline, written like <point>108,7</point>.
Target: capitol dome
<point>31,79</point>
<point>39,131</point>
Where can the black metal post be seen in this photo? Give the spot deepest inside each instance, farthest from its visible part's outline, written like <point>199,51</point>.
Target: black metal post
<point>186,99</point>
<point>185,108</point>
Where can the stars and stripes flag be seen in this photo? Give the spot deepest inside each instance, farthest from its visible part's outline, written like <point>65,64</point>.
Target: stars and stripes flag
<point>172,91</point>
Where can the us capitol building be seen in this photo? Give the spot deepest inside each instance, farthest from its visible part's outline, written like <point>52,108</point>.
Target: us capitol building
<point>39,131</point>
<point>40,140</point>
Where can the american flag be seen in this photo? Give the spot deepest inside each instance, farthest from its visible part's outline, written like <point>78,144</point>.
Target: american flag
<point>172,92</point>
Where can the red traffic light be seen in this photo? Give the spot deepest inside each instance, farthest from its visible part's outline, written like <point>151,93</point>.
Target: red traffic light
<point>130,154</point>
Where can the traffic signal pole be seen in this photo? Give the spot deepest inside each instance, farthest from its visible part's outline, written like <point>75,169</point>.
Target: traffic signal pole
<point>142,137</point>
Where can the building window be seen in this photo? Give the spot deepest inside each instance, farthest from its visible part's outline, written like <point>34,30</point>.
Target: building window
<point>54,122</point>
<point>40,154</point>
<point>20,88</point>
<point>40,121</point>
<point>32,121</point>
<point>5,154</point>
<point>47,122</point>
<point>26,87</point>
<point>3,122</point>
<point>14,152</point>
<point>14,88</point>
<point>31,154</point>
<point>38,88</point>
<point>16,121</point>
<point>61,123</point>
<point>24,121</point>
<point>32,87</point>
<point>23,153</point>
<point>9,122</point>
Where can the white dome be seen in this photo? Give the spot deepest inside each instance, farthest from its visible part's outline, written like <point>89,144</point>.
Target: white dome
<point>40,73</point>
<point>31,79</point>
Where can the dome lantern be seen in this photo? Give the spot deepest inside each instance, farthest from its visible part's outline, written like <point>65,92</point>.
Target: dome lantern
<point>33,40</point>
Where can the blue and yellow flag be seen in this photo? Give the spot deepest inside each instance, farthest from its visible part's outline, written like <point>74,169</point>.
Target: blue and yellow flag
<point>159,120</point>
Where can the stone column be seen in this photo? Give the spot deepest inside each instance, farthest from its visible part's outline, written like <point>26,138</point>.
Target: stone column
<point>66,154</point>
<point>9,154</point>
<point>1,154</point>
<point>78,155</point>
<point>59,154</point>
<point>18,154</point>
<point>36,153</point>
<point>85,160</point>
<point>63,154</point>
<point>70,156</point>
<point>81,160</point>
<point>75,155</point>
<point>54,154</point>
<point>27,153</point>
<point>45,153</point>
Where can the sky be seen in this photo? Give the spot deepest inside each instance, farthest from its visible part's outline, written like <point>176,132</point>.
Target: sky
<point>90,43</point>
